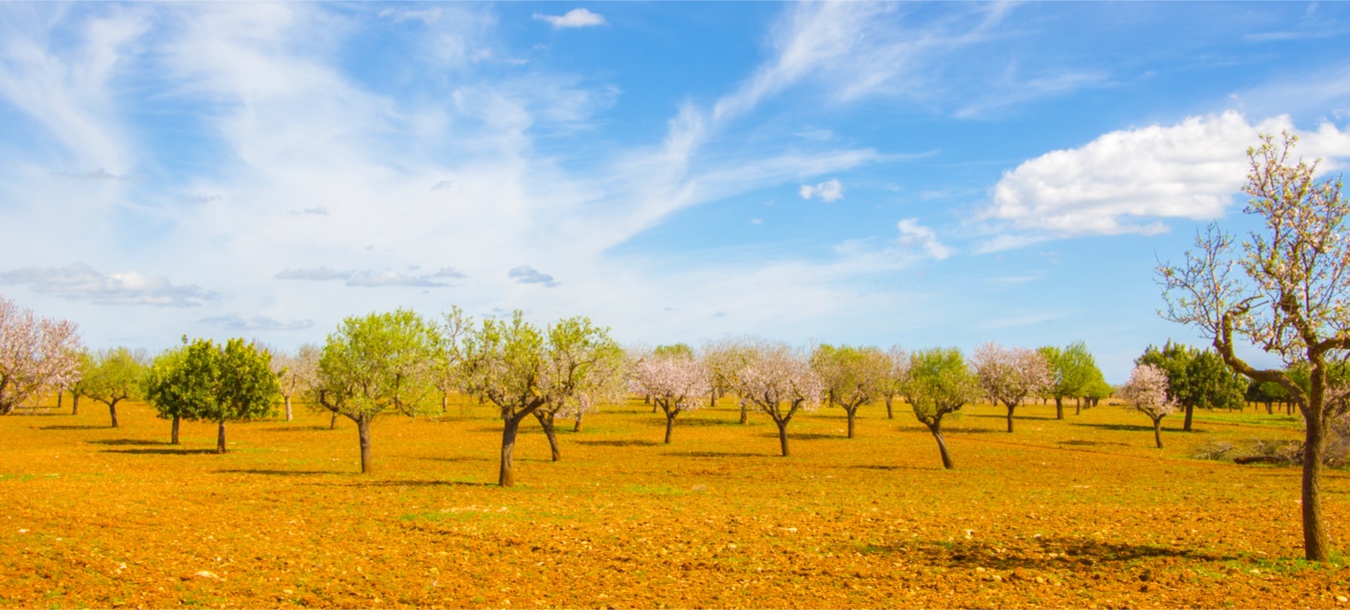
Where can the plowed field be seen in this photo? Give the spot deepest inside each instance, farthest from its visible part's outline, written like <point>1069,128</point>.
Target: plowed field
<point>1082,512</point>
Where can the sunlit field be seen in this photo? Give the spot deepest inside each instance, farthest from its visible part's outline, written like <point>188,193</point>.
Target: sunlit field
<point>1082,512</point>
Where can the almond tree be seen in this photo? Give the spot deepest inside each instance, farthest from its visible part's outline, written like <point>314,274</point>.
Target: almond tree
<point>375,363</point>
<point>504,362</point>
<point>446,374</point>
<point>853,376</point>
<point>1148,393</point>
<point>76,386</point>
<point>580,359</point>
<point>1072,369</point>
<point>1011,375</point>
<point>1287,291</point>
<point>114,375</point>
<point>778,381</point>
<point>939,383</point>
<point>676,382</point>
<point>896,375</point>
<point>35,354</point>
<point>724,360</point>
<point>295,373</point>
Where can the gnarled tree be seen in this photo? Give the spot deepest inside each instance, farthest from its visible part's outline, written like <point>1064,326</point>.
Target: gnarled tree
<point>676,383</point>
<point>114,376</point>
<point>939,384</point>
<point>853,376</point>
<point>1285,290</point>
<point>779,382</point>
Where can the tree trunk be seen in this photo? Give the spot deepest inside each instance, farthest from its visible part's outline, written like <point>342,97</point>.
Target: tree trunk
<point>289,415</point>
<point>670,423</point>
<point>782,436</point>
<point>1190,410</point>
<point>1270,408</point>
<point>60,399</point>
<point>712,399</point>
<point>1010,414</point>
<point>363,434</point>
<point>745,412</point>
<point>332,423</point>
<point>546,421</point>
<point>507,475</point>
<point>1059,408</point>
<point>890,413</point>
<point>577,426</point>
<point>1157,431</point>
<point>75,404</point>
<point>445,402</point>
<point>851,413</point>
<point>1316,545</point>
<point>220,438</point>
<point>173,432</point>
<point>942,446</point>
<point>112,411</point>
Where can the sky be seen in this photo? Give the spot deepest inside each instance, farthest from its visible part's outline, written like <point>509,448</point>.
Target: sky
<point>935,174</point>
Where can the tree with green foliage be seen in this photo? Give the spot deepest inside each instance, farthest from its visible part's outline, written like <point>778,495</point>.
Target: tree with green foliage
<point>1195,378</point>
<point>504,363</point>
<point>724,360</point>
<point>853,376</point>
<point>205,382</point>
<point>1267,393</point>
<point>77,385</point>
<point>375,363</point>
<point>1072,369</point>
<point>580,358</point>
<point>114,376</point>
<point>939,383</point>
<point>174,389</point>
<point>1286,290</point>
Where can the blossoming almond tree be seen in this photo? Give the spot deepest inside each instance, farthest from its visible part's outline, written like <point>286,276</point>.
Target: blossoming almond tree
<point>1010,375</point>
<point>295,372</point>
<point>1147,392</point>
<point>35,353</point>
<point>779,382</point>
<point>676,382</point>
<point>853,376</point>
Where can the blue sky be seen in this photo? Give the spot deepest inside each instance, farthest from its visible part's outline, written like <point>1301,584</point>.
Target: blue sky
<point>923,174</point>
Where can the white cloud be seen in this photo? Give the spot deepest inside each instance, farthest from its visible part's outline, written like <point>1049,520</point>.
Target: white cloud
<point>427,16</point>
<point>1128,181</point>
<point>575,18</point>
<point>253,323</point>
<point>915,235</point>
<point>81,282</point>
<point>526,274</point>
<point>370,278</point>
<point>827,191</point>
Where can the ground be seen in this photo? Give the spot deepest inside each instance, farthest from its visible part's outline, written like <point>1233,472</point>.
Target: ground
<point>1082,512</point>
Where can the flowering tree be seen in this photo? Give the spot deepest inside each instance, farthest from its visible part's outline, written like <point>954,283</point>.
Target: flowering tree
<point>939,383</point>
<point>375,363</point>
<point>779,382</point>
<point>1291,297</point>
<point>1147,392</point>
<point>1011,375</point>
<point>447,367</point>
<point>35,353</point>
<point>895,377</point>
<point>853,376</point>
<point>295,372</point>
<point>724,360</point>
<point>676,383</point>
<point>114,376</point>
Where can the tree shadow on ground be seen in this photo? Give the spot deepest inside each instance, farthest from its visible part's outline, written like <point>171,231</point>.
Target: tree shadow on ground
<point>1015,416</point>
<point>885,467</point>
<point>414,483</point>
<point>279,473</point>
<point>1043,553</point>
<point>968,430</point>
<point>1078,443</point>
<point>126,441</point>
<point>75,428</point>
<point>715,454</point>
<point>313,428</point>
<point>161,451</point>
<point>660,422</point>
<point>462,458</point>
<point>1136,428</point>
<point>619,443</point>
<point>804,436</point>
<point>41,412</point>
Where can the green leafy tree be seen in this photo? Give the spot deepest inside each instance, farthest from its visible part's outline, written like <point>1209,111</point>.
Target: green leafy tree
<point>939,383</point>
<point>77,386</point>
<point>504,363</point>
<point>177,391</point>
<point>580,358</point>
<point>374,363</point>
<point>853,376</point>
<point>205,382</point>
<point>1286,290</point>
<point>114,376</point>
<point>1267,393</point>
<point>1072,369</point>
<point>1195,379</point>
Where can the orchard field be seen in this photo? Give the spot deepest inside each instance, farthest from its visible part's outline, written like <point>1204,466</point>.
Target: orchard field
<point>1082,512</point>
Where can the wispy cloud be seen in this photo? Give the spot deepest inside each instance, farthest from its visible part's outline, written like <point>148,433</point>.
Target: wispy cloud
<point>575,18</point>
<point>827,191</point>
<point>81,282</point>
<point>526,274</point>
<point>917,236</point>
<point>371,278</point>
<point>254,323</point>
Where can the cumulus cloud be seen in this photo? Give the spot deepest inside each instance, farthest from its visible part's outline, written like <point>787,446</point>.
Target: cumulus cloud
<point>827,191</point>
<point>526,274</point>
<point>575,18</point>
<point>252,323</point>
<point>80,282</point>
<point>371,278</point>
<point>1127,181</point>
<point>915,235</point>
